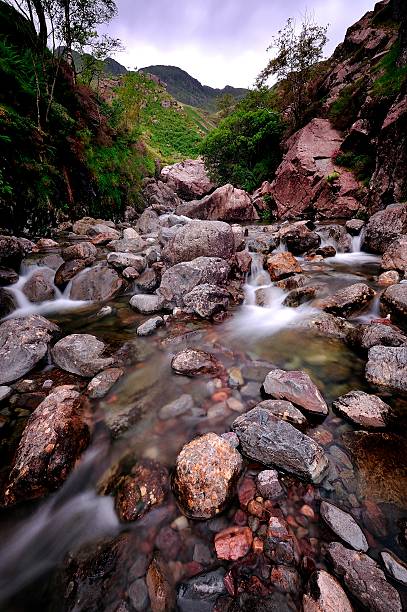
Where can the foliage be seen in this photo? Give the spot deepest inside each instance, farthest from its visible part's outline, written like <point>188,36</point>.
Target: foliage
<point>392,76</point>
<point>296,57</point>
<point>331,178</point>
<point>344,110</point>
<point>245,149</point>
<point>225,104</point>
<point>361,165</point>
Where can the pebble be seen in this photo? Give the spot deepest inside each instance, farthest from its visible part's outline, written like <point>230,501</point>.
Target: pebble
<point>235,405</point>
<point>180,523</point>
<point>149,327</point>
<point>176,408</point>
<point>344,525</point>
<point>233,543</point>
<point>268,484</point>
<point>232,438</point>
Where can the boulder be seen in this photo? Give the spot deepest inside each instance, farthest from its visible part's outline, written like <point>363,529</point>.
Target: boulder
<point>68,270</point>
<point>354,226</point>
<point>7,277</point>
<point>282,265</point>
<point>40,286</point>
<point>344,526</point>
<point>206,300</point>
<point>364,579</point>
<point>147,304</point>
<point>145,487</point>
<point>81,354</point>
<point>23,344</point>
<point>363,409</point>
<point>81,250</point>
<point>11,252</point>
<point>181,279</point>
<point>387,367</point>
<point>206,472</point>
<point>102,230</point>
<point>97,284</point>
<point>284,410</point>
<point>201,592</point>
<point>148,222</point>
<point>193,362</point>
<point>384,227</point>
<point>273,442</point>
<point>300,296</point>
<point>127,245</point>
<point>296,387</point>
<point>8,302</point>
<point>303,183</point>
<point>393,301</point>
<point>395,255</point>
<point>200,239</point>
<point>150,326</point>
<point>365,336</point>
<point>126,260</point>
<point>225,204</point>
<point>188,179</point>
<point>325,594</point>
<point>159,196</point>
<point>349,300</point>
<point>329,325</point>
<point>299,239</point>
<point>55,435</point>
<point>336,235</point>
<point>148,281</point>
<point>101,384</point>
<point>326,251</point>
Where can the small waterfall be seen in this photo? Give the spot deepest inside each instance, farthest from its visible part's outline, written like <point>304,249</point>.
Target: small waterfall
<point>356,244</point>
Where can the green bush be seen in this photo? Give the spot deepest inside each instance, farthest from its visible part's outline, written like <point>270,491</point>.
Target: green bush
<point>361,165</point>
<point>392,76</point>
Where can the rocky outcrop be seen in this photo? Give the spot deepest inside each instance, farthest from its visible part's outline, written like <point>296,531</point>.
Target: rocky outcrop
<point>188,179</point>
<point>225,204</point>
<point>200,239</point>
<point>307,182</point>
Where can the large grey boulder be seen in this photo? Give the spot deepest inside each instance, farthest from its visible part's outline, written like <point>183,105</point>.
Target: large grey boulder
<point>273,442</point>
<point>344,526</point>
<point>296,387</point>
<point>40,286</point>
<point>384,227</point>
<point>188,179</point>
<point>81,354</point>
<point>207,300</point>
<point>225,204</point>
<point>387,367</point>
<point>97,284</point>
<point>200,239</point>
<point>23,344</point>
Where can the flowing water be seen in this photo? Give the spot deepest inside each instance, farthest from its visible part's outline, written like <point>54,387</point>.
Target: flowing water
<point>365,478</point>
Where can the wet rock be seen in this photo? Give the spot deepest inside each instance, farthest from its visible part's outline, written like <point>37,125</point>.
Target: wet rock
<point>387,367</point>
<point>180,406</point>
<point>206,472</point>
<point>349,300</point>
<point>395,256</point>
<point>160,588</point>
<point>55,435</point>
<point>207,300</point>
<point>268,485</point>
<point>375,334</point>
<point>147,304</point>
<point>5,392</point>
<point>364,579</point>
<point>7,303</point>
<point>292,282</point>
<point>344,526</point>
<point>326,251</point>
<point>7,277</point>
<point>233,543</point>
<point>101,384</point>
<point>263,244</point>
<point>300,296</point>
<point>386,279</point>
<point>148,281</point>
<point>180,279</point>
<point>325,594</point>
<point>227,203</point>
<point>81,354</point>
<point>127,245</point>
<point>271,441</point>
<point>296,387</point>
<point>284,410</point>
<point>192,362</point>
<point>188,179</point>
<point>138,595</point>
<point>124,260</point>
<point>393,301</point>
<point>329,325</point>
<point>282,265</point>
<point>130,273</point>
<point>150,326</point>
<point>240,241</point>
<point>354,226</point>
<point>394,567</point>
<point>366,410</point>
<point>337,235</point>
<point>68,270</point>
<point>97,284</point>
<point>384,227</point>
<point>23,343</point>
<point>201,592</point>
<point>200,239</point>
<point>145,487</point>
<point>11,252</point>
<point>279,545</point>
<point>81,250</point>
<point>299,239</point>
<point>40,286</point>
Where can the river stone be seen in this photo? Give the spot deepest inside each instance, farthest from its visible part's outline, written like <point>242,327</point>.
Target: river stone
<point>273,442</point>
<point>329,325</point>
<point>68,271</point>
<point>180,279</point>
<point>40,286</point>
<point>268,485</point>
<point>148,281</point>
<point>11,252</point>
<point>279,543</point>
<point>125,245</point>
<point>81,250</point>
<point>206,300</point>
<point>393,301</point>
<point>364,579</point>
<point>344,526</point>
<point>376,334</point>
<point>149,327</point>
<point>300,296</point>
<point>363,409</point>
<point>148,222</point>
<point>386,279</point>
<point>179,406</point>
<point>101,384</point>
<point>23,343</point>
<point>192,362</point>
<point>299,239</point>
<point>206,472</point>
<point>394,567</point>
<point>233,543</point>
<point>7,277</point>
<point>101,229</point>
<point>8,302</point>
<point>325,594</point>
<point>349,300</point>
<point>147,304</point>
<point>354,226</point>
<point>5,392</point>
<point>384,227</point>
<point>387,367</point>
<point>81,354</point>
<point>282,265</point>
<point>97,284</point>
<point>200,239</point>
<point>125,260</point>
<point>201,592</point>
<point>146,486</point>
<point>284,410</point>
<point>55,435</point>
<point>395,256</point>
<point>296,387</point>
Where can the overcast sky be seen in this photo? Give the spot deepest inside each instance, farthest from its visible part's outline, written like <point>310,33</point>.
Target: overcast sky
<point>220,42</point>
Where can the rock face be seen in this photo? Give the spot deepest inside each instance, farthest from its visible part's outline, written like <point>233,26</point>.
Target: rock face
<point>192,362</point>
<point>55,435</point>
<point>387,367</point>
<point>273,442</point>
<point>302,186</point>
<point>395,256</point>
<point>282,265</point>
<point>225,204</point>
<point>147,486</point>
<point>366,410</point>
<point>205,476</point>
<point>40,286</point>
<point>188,179</point>
<point>23,343</point>
<point>384,227</point>
<point>364,579</point>
<point>344,526</point>
<point>325,594</point>
<point>81,354</point>
<point>97,284</point>
<point>200,239</point>
<point>393,301</point>
<point>296,387</point>
<point>349,300</point>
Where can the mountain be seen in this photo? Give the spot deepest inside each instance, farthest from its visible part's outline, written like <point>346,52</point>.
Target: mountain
<point>190,91</point>
<point>111,66</point>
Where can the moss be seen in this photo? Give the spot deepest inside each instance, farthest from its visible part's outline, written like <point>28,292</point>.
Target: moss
<point>331,178</point>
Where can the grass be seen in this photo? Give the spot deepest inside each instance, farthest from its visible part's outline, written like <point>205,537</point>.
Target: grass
<point>361,165</point>
<point>392,76</point>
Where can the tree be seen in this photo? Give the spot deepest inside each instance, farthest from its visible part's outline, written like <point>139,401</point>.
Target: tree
<point>225,104</point>
<point>295,61</point>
